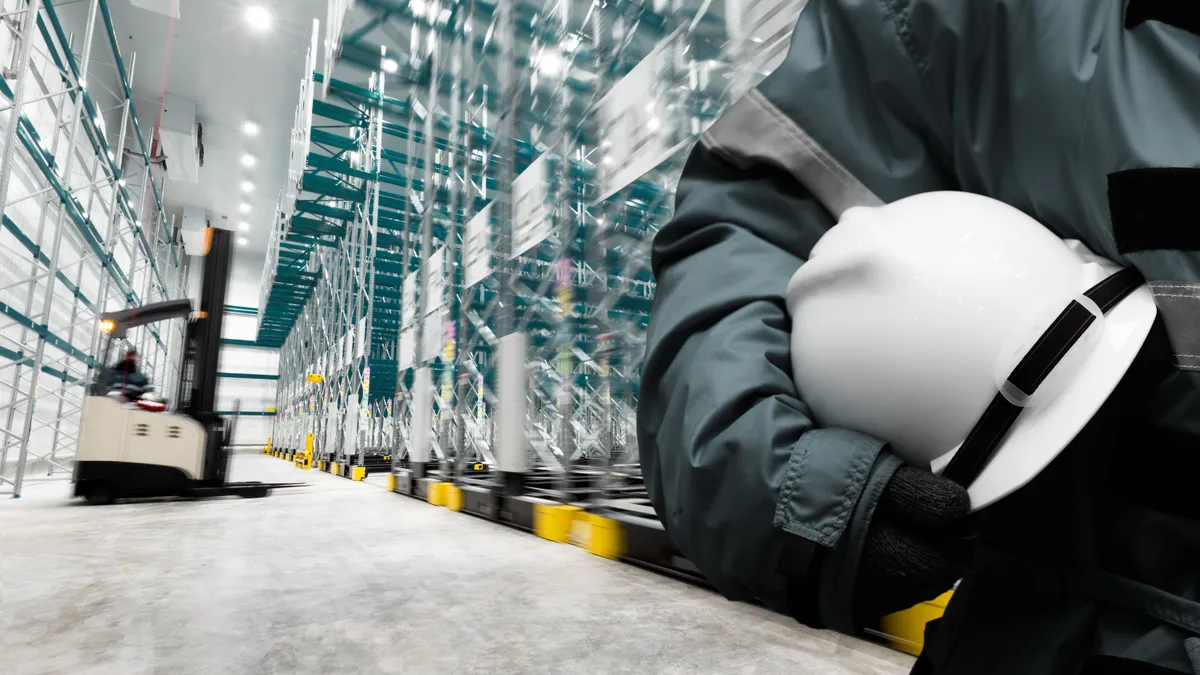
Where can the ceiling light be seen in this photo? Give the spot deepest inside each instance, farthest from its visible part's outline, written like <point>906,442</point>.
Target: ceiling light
<point>551,63</point>
<point>258,17</point>
<point>243,226</point>
<point>121,182</point>
<point>250,129</point>
<point>417,7</point>
<point>83,83</point>
<point>247,186</point>
<point>390,65</point>
<point>242,241</point>
<point>249,160</point>
<point>244,207</point>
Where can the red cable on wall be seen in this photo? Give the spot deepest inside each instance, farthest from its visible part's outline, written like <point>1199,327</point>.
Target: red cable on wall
<point>162,102</point>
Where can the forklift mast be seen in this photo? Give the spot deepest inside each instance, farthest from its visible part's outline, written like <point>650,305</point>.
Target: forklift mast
<point>203,353</point>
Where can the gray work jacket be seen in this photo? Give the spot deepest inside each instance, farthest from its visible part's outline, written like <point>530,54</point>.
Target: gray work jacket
<point>1084,114</point>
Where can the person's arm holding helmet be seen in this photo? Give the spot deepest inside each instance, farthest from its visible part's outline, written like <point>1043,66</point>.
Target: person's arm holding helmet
<point>824,523</point>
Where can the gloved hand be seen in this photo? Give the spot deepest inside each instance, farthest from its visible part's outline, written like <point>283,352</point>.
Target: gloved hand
<point>915,549</point>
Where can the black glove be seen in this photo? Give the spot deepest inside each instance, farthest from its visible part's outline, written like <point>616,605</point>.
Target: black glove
<point>915,548</point>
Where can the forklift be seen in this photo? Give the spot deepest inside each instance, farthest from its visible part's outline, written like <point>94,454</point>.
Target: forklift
<point>130,445</point>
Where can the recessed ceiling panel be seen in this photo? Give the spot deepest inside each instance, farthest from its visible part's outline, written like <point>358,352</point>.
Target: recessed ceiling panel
<point>164,7</point>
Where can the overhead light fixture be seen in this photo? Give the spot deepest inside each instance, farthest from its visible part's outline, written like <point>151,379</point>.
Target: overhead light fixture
<point>121,182</point>
<point>258,17</point>
<point>417,7</point>
<point>247,186</point>
<point>243,226</point>
<point>551,63</point>
<point>112,156</point>
<point>249,160</point>
<point>83,83</point>
<point>250,129</point>
<point>390,65</point>
<point>242,241</point>
<point>244,207</point>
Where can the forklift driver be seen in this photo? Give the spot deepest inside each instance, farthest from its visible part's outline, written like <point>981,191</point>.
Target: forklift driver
<point>124,377</point>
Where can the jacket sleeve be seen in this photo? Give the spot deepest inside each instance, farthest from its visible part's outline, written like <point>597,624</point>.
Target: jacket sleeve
<point>746,484</point>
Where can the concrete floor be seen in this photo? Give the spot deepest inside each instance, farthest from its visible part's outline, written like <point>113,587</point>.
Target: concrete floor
<point>343,577</point>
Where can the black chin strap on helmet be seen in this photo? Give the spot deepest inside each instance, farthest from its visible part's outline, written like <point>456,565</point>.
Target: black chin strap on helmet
<point>977,450</point>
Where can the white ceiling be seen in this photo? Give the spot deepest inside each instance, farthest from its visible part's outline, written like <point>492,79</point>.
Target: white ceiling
<point>234,74</point>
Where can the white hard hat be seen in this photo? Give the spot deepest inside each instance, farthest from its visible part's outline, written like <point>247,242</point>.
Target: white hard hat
<point>963,333</point>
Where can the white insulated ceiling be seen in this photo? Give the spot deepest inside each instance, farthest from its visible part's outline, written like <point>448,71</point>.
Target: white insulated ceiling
<point>234,74</point>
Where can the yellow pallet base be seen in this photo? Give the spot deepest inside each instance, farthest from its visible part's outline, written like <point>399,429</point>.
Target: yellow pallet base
<point>336,469</point>
<point>598,535</point>
<point>452,497</point>
<point>358,473</point>
<point>437,494</point>
<point>321,465</point>
<point>391,482</point>
<point>906,629</point>
<point>554,521</point>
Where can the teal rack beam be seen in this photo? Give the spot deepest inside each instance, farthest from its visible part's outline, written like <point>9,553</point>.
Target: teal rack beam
<point>247,376</point>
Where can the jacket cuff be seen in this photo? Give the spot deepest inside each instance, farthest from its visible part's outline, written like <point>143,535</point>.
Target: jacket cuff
<point>824,479</point>
<point>833,481</point>
<point>821,582</point>
<point>839,574</point>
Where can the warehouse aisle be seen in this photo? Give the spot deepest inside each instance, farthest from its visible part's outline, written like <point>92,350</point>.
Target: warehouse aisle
<point>277,586</point>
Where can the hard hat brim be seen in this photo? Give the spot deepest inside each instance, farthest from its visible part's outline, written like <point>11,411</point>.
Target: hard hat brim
<point>1042,432</point>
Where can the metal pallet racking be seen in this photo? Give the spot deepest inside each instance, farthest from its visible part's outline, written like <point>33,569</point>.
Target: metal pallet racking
<point>536,145</point>
<point>84,230</point>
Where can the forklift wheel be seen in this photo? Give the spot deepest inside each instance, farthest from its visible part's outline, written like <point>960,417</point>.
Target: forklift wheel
<point>257,493</point>
<point>98,494</point>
